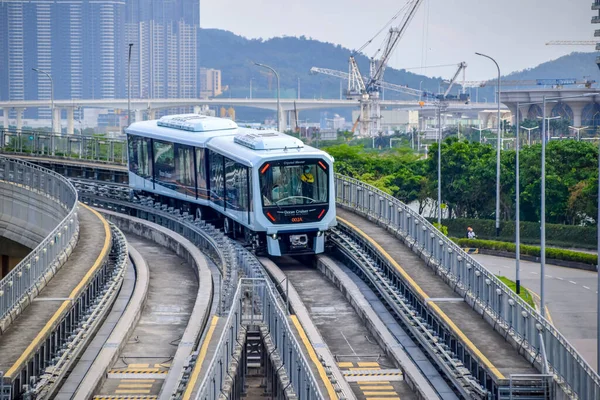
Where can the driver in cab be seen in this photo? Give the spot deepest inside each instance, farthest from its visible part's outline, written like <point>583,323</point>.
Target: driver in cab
<point>308,181</point>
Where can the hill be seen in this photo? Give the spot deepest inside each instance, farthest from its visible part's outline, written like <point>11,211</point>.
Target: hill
<point>293,57</point>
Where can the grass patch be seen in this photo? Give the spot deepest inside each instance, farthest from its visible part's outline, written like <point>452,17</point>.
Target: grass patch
<point>525,294</point>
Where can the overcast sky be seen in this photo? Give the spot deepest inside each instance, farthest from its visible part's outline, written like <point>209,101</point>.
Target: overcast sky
<point>514,32</point>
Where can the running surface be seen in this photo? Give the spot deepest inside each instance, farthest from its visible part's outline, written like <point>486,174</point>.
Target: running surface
<point>144,362</point>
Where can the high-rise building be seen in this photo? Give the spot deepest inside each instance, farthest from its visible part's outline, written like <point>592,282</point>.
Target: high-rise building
<point>83,45</point>
<point>164,34</point>
<point>210,82</point>
<point>78,42</point>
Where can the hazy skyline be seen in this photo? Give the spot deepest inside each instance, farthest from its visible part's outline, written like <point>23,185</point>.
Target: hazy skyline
<point>514,32</point>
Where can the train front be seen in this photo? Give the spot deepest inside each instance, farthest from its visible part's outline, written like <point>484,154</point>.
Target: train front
<point>298,202</point>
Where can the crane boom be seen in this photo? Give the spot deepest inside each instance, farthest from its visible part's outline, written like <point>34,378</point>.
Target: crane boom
<point>533,82</point>
<point>394,36</point>
<point>461,67</point>
<point>384,85</point>
<point>571,43</point>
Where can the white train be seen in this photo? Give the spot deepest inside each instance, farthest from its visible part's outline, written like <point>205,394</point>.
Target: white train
<point>265,186</point>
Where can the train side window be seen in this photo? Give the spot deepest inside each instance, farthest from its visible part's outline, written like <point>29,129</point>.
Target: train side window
<point>201,173</point>
<point>164,164</point>
<point>184,170</point>
<point>237,185</point>
<point>139,156</point>
<point>217,187</point>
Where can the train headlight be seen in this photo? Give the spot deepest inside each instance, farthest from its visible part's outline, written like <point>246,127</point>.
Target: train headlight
<point>274,236</point>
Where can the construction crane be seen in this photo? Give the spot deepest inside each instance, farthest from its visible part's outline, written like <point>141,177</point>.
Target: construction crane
<point>366,91</point>
<point>571,43</point>
<point>533,82</point>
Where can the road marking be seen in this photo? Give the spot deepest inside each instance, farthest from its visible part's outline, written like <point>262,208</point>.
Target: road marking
<point>364,369</point>
<point>376,388</point>
<point>132,391</point>
<point>368,364</point>
<point>384,398</point>
<point>313,357</point>
<point>549,276</point>
<point>534,273</point>
<point>574,283</point>
<point>373,382</point>
<point>537,296</point>
<point>349,345</point>
<point>380,393</point>
<point>135,386</point>
<point>560,279</point>
<point>585,287</point>
<point>345,364</point>
<point>200,359</point>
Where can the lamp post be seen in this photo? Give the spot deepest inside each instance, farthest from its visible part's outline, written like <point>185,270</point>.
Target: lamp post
<point>276,76</point>
<point>517,210</point>
<point>420,83</point>
<point>129,85</point>
<point>547,137</point>
<point>480,130</point>
<point>39,71</point>
<point>581,128</point>
<point>439,171</point>
<point>529,133</point>
<point>498,145</point>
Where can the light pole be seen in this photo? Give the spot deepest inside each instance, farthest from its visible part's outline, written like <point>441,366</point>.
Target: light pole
<point>517,210</point>
<point>276,76</point>
<point>39,71</point>
<point>439,160</point>
<point>529,133</point>
<point>251,79</point>
<point>129,85</point>
<point>498,145</point>
<point>480,130</point>
<point>582,128</point>
<point>547,137</point>
<point>420,92</point>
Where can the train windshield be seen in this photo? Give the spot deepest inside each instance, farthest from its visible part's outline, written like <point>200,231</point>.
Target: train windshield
<point>294,182</point>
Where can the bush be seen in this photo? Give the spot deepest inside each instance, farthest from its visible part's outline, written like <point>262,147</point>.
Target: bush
<point>556,234</point>
<point>441,228</point>
<point>535,251</point>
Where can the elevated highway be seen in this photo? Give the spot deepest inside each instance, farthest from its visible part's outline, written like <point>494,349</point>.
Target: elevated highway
<point>482,338</point>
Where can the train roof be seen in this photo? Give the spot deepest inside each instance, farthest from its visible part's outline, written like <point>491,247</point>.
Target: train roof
<point>223,135</point>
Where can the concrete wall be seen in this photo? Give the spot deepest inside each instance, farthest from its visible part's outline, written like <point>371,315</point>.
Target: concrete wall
<point>27,217</point>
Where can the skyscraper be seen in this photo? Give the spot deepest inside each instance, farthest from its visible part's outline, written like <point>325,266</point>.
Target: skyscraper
<point>83,45</point>
<point>164,34</point>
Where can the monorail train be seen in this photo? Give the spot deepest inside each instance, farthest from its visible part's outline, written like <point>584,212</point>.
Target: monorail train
<point>266,187</point>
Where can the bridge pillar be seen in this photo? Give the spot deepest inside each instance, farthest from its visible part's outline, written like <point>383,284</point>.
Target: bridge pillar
<point>283,120</point>
<point>19,118</point>
<point>151,113</point>
<point>56,123</point>
<point>5,112</point>
<point>577,108</point>
<point>70,120</point>
<point>138,115</point>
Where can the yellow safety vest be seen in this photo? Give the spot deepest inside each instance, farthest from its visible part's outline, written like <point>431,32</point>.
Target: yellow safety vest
<point>308,178</point>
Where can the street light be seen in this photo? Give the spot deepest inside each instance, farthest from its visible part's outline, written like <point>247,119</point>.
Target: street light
<point>39,71</point>
<point>529,133</point>
<point>517,211</point>
<point>581,128</point>
<point>420,92</point>
<point>498,145</point>
<point>129,86</point>
<point>543,211</point>
<point>480,130</point>
<point>439,160</point>
<point>276,76</point>
<point>546,137</point>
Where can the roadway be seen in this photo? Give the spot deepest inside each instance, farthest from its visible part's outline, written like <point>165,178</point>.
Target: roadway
<point>570,298</point>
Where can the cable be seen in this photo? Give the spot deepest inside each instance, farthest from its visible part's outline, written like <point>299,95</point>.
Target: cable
<point>382,29</point>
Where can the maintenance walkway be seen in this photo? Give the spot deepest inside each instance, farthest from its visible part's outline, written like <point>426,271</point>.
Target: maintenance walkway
<point>33,326</point>
<point>490,348</point>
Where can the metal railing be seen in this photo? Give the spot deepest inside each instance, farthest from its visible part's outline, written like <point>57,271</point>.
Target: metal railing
<point>76,147</point>
<point>23,279</point>
<point>482,289</point>
<point>255,302</point>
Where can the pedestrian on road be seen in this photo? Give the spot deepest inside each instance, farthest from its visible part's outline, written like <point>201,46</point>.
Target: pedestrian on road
<point>470,233</point>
